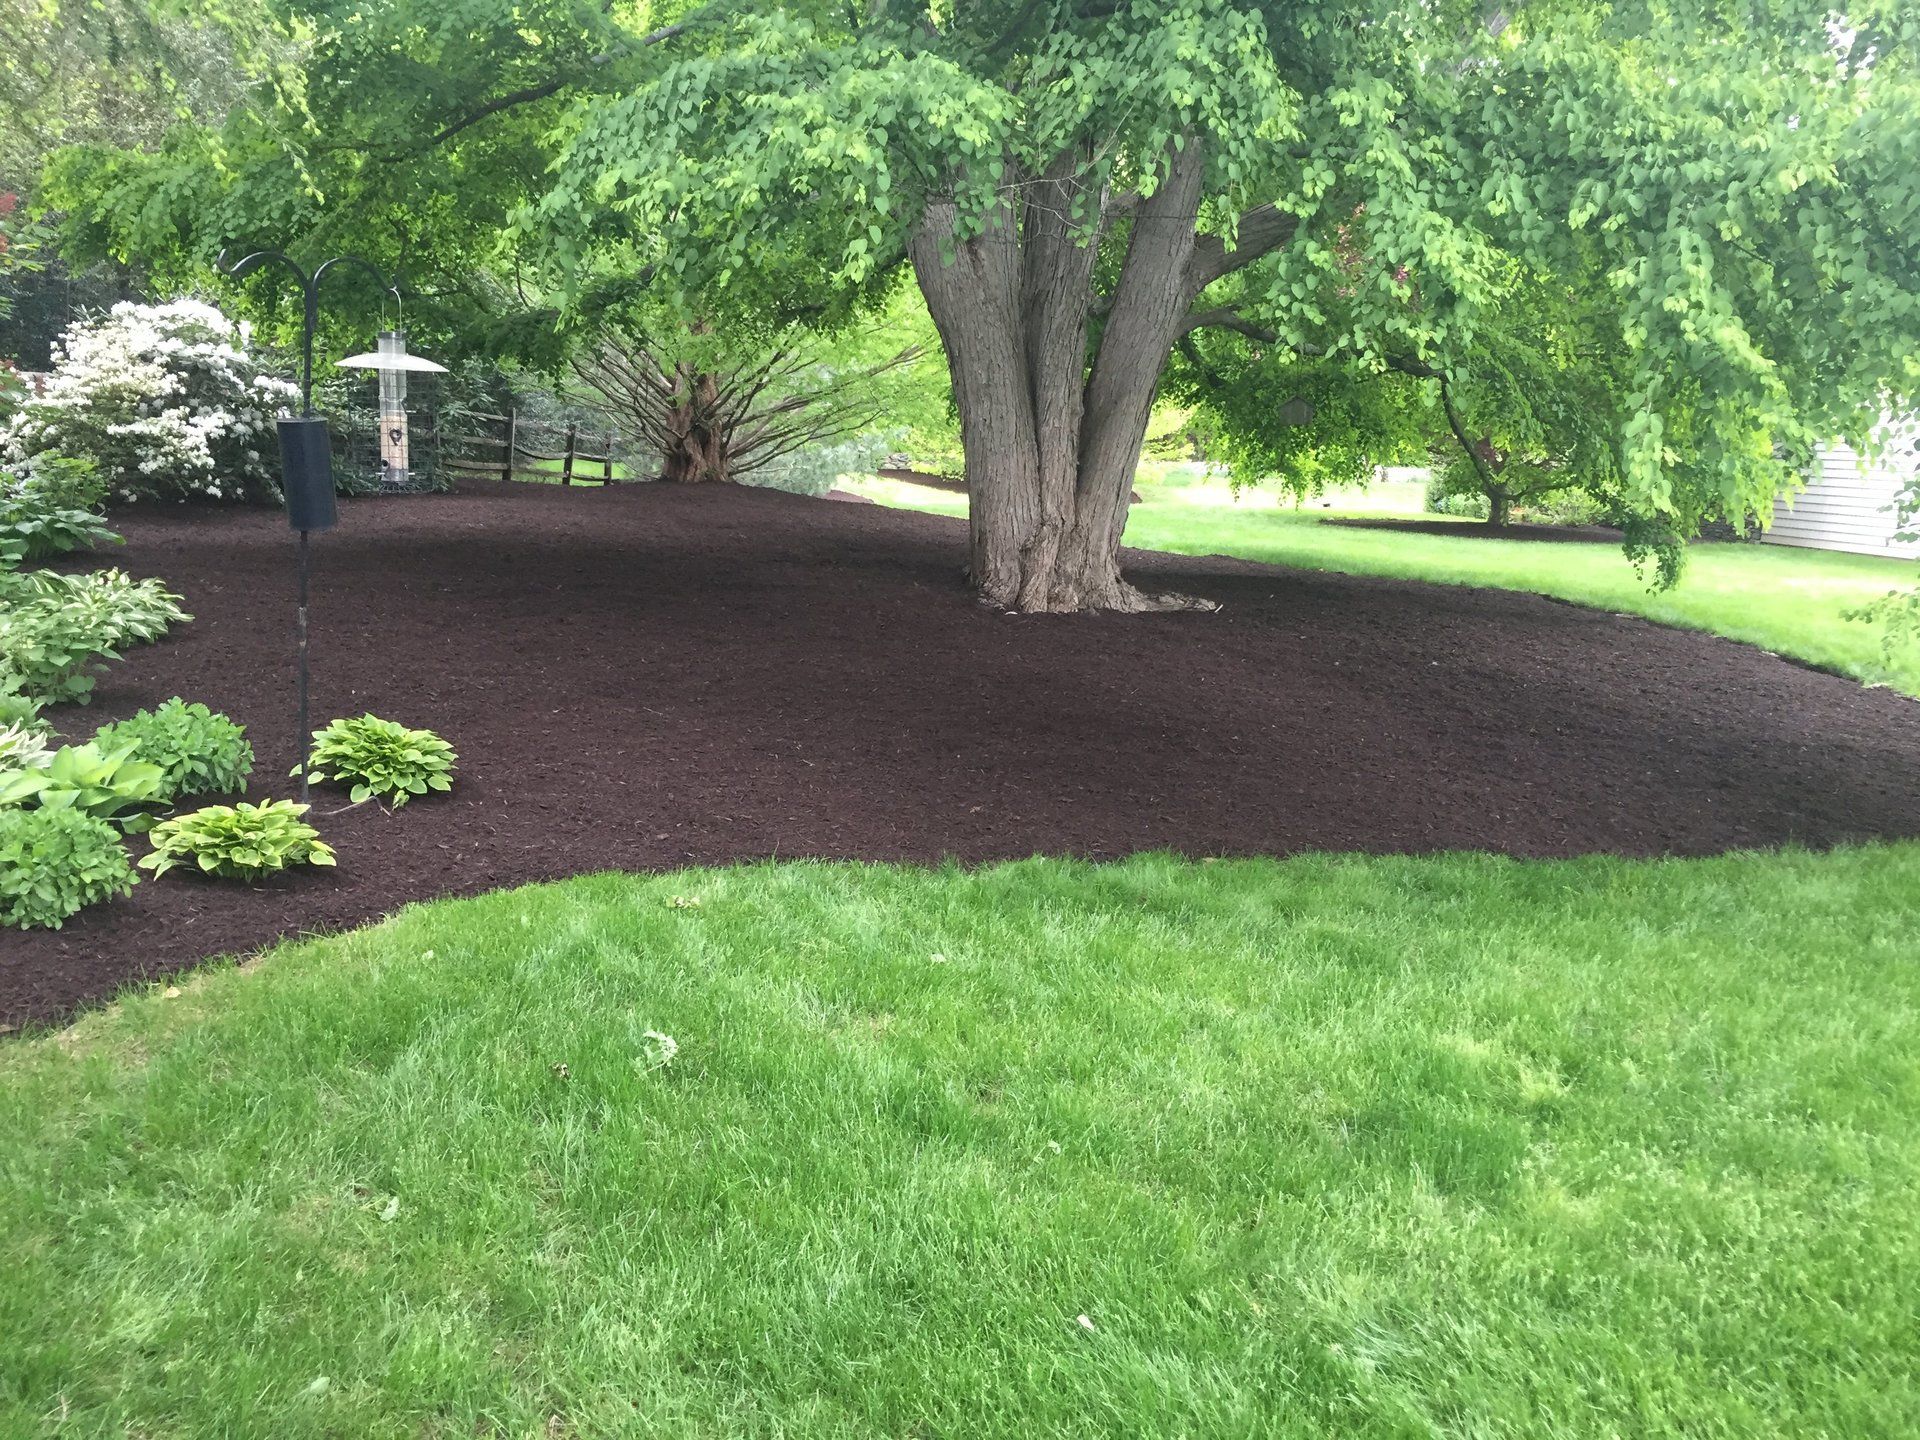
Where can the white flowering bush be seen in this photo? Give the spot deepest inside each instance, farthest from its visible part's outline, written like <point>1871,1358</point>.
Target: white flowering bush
<point>165,399</point>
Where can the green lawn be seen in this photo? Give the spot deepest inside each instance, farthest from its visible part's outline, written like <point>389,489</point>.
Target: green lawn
<point>585,472</point>
<point>1789,601</point>
<point>1323,1147</point>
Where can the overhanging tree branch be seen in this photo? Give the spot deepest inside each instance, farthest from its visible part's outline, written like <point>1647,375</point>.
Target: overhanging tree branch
<point>1488,480</point>
<point>527,95</point>
<point>1225,317</point>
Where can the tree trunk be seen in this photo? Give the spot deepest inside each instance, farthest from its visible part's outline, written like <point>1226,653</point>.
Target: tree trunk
<point>1499,507</point>
<point>697,448</point>
<point>1052,434</point>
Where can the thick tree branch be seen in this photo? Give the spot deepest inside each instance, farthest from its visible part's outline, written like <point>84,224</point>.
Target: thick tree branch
<point>1224,318</point>
<point>1488,480</point>
<point>1260,231</point>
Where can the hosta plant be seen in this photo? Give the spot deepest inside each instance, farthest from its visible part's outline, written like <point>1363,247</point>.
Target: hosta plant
<point>61,480</point>
<point>238,841</point>
<point>30,533</point>
<point>23,745</point>
<point>39,518</point>
<point>46,655</point>
<point>198,752</point>
<point>56,629</point>
<point>55,863</point>
<point>382,760</point>
<point>106,784</point>
<point>17,707</point>
<point>118,607</point>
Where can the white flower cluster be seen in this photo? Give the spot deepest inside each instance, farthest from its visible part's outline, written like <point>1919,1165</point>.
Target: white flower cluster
<point>165,399</point>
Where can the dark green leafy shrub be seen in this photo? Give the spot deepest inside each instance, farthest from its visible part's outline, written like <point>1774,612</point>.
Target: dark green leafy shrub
<point>379,758</point>
<point>198,752</point>
<point>1564,507</point>
<point>27,533</point>
<point>238,841</point>
<point>106,784</point>
<point>55,863</point>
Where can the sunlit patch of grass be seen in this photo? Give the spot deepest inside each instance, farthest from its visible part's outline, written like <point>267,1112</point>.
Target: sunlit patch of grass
<point>1793,602</point>
<point>1328,1146</point>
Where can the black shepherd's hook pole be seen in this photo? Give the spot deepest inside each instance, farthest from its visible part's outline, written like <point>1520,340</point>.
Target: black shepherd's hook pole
<point>310,292</point>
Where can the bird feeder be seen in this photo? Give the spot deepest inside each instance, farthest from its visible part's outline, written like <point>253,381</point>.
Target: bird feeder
<point>394,364</point>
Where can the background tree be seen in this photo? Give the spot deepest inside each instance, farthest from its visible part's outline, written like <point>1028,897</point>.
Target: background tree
<point>109,72</point>
<point>416,137</point>
<point>1533,405</point>
<point>720,408</point>
<point>103,72</point>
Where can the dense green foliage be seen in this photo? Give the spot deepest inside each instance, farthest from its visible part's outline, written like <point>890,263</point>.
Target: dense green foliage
<point>107,784</point>
<point>1718,204</point>
<point>118,72</point>
<point>46,511</point>
<point>56,628</point>
<point>198,752</point>
<point>49,651</point>
<point>382,760</point>
<point>1333,1146</point>
<point>17,707</point>
<point>243,841</point>
<point>55,862</point>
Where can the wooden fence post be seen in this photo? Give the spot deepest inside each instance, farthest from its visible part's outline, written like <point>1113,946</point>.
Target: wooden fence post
<point>607,450</point>
<point>566,465</point>
<point>513,437</point>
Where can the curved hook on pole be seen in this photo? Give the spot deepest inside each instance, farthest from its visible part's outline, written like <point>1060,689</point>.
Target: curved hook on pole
<point>366,265</point>
<point>310,292</point>
<point>247,264</point>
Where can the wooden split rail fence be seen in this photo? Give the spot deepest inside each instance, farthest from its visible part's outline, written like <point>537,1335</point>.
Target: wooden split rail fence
<point>517,451</point>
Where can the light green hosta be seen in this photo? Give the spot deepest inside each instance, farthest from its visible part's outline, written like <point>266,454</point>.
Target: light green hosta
<point>382,760</point>
<point>238,841</point>
<point>106,784</point>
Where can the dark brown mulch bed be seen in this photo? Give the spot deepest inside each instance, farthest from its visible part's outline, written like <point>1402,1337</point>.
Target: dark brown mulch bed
<point>648,677</point>
<point>1480,530</point>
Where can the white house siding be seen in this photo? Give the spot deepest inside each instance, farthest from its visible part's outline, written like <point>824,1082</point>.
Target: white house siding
<point>1847,506</point>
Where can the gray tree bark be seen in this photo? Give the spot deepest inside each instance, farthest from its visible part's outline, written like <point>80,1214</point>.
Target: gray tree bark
<point>1051,422</point>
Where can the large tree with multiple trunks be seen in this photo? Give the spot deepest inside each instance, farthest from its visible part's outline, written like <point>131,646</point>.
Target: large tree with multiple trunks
<point>1079,184</point>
